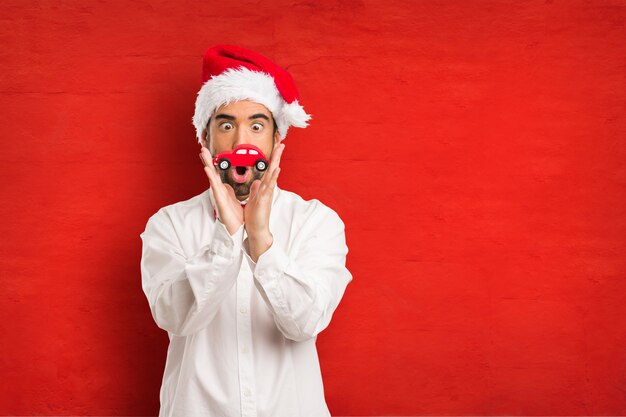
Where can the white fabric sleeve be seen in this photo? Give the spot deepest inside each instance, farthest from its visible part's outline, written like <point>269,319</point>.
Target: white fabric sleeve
<point>303,289</point>
<point>185,293</point>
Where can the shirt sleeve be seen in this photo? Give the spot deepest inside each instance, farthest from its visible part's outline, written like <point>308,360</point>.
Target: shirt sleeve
<point>304,289</point>
<point>184,293</point>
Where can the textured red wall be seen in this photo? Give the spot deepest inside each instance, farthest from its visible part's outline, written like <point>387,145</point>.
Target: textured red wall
<point>475,150</point>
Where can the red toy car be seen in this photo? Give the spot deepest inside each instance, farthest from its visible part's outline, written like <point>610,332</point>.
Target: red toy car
<point>243,156</point>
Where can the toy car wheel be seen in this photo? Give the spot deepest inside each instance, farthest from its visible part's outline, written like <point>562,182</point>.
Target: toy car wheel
<point>224,164</point>
<point>261,165</point>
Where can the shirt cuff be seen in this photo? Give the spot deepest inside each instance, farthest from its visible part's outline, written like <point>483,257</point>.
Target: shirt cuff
<point>205,269</point>
<point>271,264</point>
<point>224,244</point>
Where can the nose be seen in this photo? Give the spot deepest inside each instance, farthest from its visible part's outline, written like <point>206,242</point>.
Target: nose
<point>240,138</point>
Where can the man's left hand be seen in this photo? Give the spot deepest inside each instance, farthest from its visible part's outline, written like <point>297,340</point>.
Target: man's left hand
<point>257,211</point>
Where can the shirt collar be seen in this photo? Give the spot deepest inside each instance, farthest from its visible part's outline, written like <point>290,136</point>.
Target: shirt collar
<point>243,203</point>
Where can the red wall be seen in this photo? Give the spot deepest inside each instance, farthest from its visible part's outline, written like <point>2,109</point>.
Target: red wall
<point>475,150</point>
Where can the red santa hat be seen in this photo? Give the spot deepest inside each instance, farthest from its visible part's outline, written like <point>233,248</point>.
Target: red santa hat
<point>231,73</point>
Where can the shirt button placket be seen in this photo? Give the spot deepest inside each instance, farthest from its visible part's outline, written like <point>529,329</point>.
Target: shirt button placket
<point>244,341</point>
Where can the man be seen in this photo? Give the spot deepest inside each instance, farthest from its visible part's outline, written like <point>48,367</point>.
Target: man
<point>245,275</point>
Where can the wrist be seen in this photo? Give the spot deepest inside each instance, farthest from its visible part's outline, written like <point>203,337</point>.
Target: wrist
<point>259,243</point>
<point>231,228</point>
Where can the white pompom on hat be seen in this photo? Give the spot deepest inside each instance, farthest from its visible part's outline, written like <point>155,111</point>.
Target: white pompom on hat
<point>231,73</point>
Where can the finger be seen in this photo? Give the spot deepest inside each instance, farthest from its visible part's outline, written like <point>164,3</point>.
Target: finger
<point>254,188</point>
<point>274,178</point>
<point>230,202</point>
<point>267,187</point>
<point>212,176</point>
<point>231,192</point>
<point>204,162</point>
<point>207,158</point>
<point>274,162</point>
<point>210,169</point>
<point>204,154</point>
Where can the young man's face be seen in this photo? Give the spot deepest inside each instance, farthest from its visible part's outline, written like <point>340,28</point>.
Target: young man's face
<point>241,122</point>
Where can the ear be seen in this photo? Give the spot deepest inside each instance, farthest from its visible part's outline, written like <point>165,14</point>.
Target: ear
<point>203,140</point>
<point>276,139</point>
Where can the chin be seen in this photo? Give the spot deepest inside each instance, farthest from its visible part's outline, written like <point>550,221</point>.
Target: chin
<point>241,190</point>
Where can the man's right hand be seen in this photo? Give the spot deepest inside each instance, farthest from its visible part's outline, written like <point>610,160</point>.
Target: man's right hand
<point>228,207</point>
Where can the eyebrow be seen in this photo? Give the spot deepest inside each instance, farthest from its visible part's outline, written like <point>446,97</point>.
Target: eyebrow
<point>224,116</point>
<point>259,116</point>
<point>229,117</point>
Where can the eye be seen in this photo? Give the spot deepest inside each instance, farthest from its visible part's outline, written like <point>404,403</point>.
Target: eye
<point>257,127</point>
<point>226,126</point>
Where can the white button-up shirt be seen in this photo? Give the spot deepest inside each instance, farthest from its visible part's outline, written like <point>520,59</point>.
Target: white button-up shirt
<point>242,334</point>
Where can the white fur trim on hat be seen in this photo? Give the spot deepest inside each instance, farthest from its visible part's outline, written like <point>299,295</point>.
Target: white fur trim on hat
<point>243,84</point>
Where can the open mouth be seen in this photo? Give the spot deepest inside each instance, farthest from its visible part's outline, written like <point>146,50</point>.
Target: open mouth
<point>240,174</point>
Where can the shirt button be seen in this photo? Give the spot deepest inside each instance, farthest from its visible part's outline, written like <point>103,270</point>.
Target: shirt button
<point>228,244</point>
<point>246,393</point>
<point>244,350</point>
<point>243,310</point>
